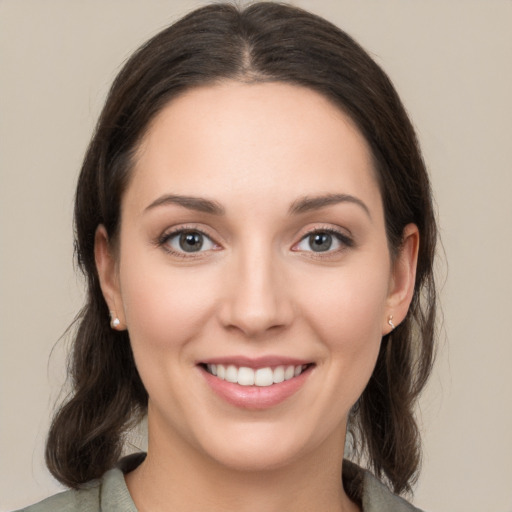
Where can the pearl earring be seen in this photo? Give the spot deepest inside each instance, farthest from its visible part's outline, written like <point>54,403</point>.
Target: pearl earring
<point>390,322</point>
<point>114,321</point>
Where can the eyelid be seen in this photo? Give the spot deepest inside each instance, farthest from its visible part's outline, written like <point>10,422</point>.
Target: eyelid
<point>342,237</point>
<point>340,234</point>
<point>163,239</point>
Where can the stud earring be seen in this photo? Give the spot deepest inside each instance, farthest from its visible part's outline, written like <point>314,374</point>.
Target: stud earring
<point>390,322</point>
<point>114,321</point>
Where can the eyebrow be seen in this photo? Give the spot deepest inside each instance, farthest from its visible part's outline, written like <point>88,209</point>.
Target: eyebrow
<point>307,204</point>
<point>198,204</point>
<point>302,205</point>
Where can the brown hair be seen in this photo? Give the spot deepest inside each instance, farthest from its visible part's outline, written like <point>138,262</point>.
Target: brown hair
<point>263,42</point>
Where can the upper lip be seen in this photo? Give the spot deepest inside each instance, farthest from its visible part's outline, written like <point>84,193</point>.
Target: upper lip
<point>256,362</point>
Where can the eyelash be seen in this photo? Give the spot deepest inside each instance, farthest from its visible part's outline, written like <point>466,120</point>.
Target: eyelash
<point>344,239</point>
<point>163,241</point>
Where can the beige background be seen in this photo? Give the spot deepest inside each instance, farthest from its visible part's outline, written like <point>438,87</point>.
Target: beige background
<point>451,62</point>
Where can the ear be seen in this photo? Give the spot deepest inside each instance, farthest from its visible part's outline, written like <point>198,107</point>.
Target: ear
<point>106,265</point>
<point>403,278</point>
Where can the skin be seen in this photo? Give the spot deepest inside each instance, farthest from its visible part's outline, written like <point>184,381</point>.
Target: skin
<point>255,289</point>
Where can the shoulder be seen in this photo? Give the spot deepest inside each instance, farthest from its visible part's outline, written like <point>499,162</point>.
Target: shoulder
<point>371,493</point>
<point>378,498</point>
<point>83,500</point>
<point>110,493</point>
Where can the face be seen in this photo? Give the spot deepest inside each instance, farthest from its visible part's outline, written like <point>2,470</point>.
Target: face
<point>253,273</point>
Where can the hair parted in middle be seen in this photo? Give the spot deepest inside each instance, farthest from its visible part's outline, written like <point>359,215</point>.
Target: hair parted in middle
<point>264,42</point>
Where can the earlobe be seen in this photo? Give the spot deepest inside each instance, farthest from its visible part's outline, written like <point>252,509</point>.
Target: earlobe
<point>403,278</point>
<point>106,265</point>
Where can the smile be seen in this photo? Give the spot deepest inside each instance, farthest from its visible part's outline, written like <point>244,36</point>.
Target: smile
<point>260,377</point>
<point>255,383</point>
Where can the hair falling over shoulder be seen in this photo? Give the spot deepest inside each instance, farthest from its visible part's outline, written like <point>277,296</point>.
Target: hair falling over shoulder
<point>262,42</point>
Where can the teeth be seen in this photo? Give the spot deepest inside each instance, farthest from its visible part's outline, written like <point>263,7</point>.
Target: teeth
<point>221,371</point>
<point>249,377</point>
<point>278,374</point>
<point>289,372</point>
<point>246,376</point>
<point>231,374</point>
<point>264,377</point>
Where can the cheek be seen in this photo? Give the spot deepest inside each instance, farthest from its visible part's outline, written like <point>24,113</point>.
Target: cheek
<point>346,313</point>
<point>348,305</point>
<point>165,306</point>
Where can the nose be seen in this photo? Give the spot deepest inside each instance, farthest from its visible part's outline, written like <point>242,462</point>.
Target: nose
<point>258,298</point>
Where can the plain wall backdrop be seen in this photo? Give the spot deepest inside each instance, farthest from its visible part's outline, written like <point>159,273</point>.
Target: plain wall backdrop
<point>451,61</point>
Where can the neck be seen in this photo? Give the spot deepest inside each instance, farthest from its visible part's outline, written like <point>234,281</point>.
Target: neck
<point>175,477</point>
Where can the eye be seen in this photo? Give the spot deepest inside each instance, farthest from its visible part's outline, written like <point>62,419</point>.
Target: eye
<point>323,241</point>
<point>188,241</point>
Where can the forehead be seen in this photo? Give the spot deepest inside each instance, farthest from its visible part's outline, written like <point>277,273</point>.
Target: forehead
<point>269,140</point>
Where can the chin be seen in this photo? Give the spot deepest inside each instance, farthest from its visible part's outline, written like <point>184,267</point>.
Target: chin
<point>257,448</point>
<point>254,457</point>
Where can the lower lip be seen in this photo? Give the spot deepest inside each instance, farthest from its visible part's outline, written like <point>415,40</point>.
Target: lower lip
<point>255,397</point>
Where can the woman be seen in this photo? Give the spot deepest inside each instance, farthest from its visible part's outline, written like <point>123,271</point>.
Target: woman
<point>254,220</point>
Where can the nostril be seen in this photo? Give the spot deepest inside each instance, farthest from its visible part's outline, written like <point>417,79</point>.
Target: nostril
<point>256,298</point>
